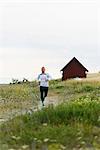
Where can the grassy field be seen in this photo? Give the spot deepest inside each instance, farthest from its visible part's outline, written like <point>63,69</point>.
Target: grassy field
<point>18,97</point>
<point>72,125</point>
<point>93,76</point>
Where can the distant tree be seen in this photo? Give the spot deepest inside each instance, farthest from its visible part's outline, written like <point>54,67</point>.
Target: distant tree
<point>25,80</point>
<point>14,81</point>
<point>19,82</point>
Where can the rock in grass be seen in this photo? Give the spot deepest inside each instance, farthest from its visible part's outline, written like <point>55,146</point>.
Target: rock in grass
<point>16,137</point>
<point>46,140</point>
<point>83,143</point>
<point>62,147</point>
<point>25,146</point>
<point>96,137</point>
<point>35,139</point>
<point>45,124</point>
<point>13,137</point>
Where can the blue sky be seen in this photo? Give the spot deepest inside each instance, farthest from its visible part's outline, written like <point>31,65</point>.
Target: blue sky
<point>47,33</point>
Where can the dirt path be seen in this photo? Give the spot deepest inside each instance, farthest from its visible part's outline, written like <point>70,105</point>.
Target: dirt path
<point>27,107</point>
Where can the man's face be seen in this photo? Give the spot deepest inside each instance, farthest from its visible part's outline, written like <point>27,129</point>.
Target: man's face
<point>43,69</point>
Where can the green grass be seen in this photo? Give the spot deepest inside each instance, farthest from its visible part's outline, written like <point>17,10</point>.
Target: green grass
<point>18,91</point>
<point>77,121</point>
<point>18,96</point>
<point>71,89</point>
<point>72,125</point>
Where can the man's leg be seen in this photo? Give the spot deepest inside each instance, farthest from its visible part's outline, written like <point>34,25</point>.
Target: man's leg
<point>46,91</point>
<point>41,92</point>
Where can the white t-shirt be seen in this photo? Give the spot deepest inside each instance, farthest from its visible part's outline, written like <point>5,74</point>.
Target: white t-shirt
<point>44,78</point>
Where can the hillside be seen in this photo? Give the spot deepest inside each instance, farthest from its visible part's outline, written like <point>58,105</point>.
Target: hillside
<point>73,124</point>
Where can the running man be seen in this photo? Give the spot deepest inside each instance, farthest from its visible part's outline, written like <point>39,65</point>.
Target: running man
<point>43,79</point>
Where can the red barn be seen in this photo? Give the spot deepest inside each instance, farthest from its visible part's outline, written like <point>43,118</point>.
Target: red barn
<point>74,69</point>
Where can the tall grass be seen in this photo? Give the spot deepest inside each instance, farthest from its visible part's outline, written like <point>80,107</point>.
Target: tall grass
<point>74,124</point>
<point>58,123</point>
<point>18,97</point>
<point>82,109</point>
<point>18,91</point>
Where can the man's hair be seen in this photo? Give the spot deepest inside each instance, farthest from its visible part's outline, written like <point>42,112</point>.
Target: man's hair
<point>43,67</point>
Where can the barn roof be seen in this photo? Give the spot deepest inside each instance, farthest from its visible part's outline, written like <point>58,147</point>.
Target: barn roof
<point>74,60</point>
